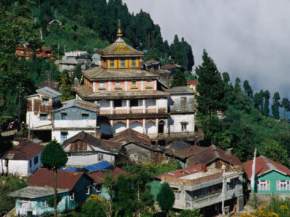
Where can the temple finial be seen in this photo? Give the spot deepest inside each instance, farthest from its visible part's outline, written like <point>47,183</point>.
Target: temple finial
<point>119,32</point>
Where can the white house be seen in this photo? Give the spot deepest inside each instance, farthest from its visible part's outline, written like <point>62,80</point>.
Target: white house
<point>39,111</point>
<point>182,110</point>
<point>73,117</point>
<point>84,149</point>
<point>22,159</point>
<point>73,58</point>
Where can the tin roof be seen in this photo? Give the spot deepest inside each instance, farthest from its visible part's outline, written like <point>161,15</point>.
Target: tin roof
<point>102,74</point>
<point>80,104</point>
<point>265,165</point>
<point>120,48</point>
<point>49,92</point>
<point>180,90</point>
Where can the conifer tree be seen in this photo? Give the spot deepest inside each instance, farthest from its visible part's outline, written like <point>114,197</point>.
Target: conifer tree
<point>210,87</point>
<point>248,89</point>
<point>266,105</point>
<point>285,105</point>
<point>276,105</point>
<point>165,198</point>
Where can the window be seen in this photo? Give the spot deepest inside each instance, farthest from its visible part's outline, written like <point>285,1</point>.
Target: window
<point>85,116</point>
<point>118,85</point>
<point>72,196</point>
<point>263,185</point>
<point>100,156</point>
<point>183,126</point>
<point>35,160</point>
<point>63,116</point>
<point>43,117</point>
<point>104,103</point>
<point>122,63</point>
<point>283,185</point>
<point>63,136</point>
<point>112,64</point>
<point>117,103</point>
<point>88,190</point>
<point>101,85</point>
<point>183,102</point>
<point>135,103</point>
<point>30,163</point>
<point>45,101</point>
<point>134,84</point>
<point>134,62</point>
<point>151,102</point>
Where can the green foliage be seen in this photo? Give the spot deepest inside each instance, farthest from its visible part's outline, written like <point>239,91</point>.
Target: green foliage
<point>276,105</point>
<point>275,151</point>
<point>179,78</point>
<point>190,213</point>
<point>7,185</point>
<point>209,78</point>
<point>266,109</point>
<point>279,206</point>
<point>248,89</point>
<point>92,208</point>
<point>53,156</point>
<point>66,86</point>
<point>165,198</point>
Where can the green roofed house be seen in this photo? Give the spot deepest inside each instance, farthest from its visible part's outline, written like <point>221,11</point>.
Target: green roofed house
<point>37,198</point>
<point>271,178</point>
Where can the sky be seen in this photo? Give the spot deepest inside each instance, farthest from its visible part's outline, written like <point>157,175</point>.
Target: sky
<point>247,38</point>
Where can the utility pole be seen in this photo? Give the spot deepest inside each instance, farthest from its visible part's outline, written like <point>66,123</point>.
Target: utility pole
<point>223,190</point>
<point>253,172</point>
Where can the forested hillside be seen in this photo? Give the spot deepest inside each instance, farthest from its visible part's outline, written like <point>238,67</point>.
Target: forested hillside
<point>91,24</point>
<point>79,25</point>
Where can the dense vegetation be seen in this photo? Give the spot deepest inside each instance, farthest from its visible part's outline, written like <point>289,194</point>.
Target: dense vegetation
<point>81,25</point>
<point>233,116</point>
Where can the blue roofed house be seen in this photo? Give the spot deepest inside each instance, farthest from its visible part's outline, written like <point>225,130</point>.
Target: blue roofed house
<point>73,117</point>
<point>36,199</point>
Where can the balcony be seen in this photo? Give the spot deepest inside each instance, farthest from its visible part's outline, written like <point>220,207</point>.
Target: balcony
<point>132,110</point>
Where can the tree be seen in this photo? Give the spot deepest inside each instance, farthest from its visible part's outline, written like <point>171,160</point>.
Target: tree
<point>178,78</point>
<point>190,213</point>
<point>276,105</point>
<point>285,104</point>
<point>248,89</point>
<point>275,151</point>
<point>92,208</point>
<point>266,105</point>
<point>53,158</point>
<point>65,86</point>
<point>258,100</point>
<point>209,78</point>
<point>165,198</point>
<point>238,88</point>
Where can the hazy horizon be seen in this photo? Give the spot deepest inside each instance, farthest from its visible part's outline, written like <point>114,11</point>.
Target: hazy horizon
<point>247,38</point>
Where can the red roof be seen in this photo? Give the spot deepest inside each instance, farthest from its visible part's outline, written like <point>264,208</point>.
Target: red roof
<point>25,150</point>
<point>99,176</point>
<point>264,165</point>
<point>131,136</point>
<point>187,171</point>
<point>44,177</point>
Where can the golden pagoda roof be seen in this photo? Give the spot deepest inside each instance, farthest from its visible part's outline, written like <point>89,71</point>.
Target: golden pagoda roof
<point>120,48</point>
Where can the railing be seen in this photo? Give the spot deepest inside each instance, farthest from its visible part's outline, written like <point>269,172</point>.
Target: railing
<point>140,110</point>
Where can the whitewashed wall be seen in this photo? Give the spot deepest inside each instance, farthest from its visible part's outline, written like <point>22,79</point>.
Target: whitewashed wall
<point>74,123</point>
<point>177,119</point>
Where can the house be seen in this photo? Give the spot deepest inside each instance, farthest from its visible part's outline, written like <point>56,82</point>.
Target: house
<point>39,112</point>
<point>137,147</point>
<point>22,159</point>
<point>35,199</point>
<point>182,111</point>
<point>84,149</point>
<point>151,64</point>
<point>73,117</point>
<point>271,178</point>
<point>213,190</point>
<point>211,156</point>
<point>72,59</point>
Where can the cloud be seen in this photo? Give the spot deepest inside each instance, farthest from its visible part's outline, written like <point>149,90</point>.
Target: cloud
<point>247,38</point>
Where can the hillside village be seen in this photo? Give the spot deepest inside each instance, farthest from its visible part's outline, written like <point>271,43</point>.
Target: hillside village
<point>125,113</point>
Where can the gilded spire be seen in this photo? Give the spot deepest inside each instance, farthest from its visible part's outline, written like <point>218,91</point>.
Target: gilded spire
<point>119,32</point>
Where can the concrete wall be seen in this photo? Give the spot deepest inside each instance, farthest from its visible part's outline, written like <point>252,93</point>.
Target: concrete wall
<point>177,119</point>
<point>21,167</point>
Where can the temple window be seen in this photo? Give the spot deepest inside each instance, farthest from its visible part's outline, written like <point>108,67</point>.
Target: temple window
<point>101,85</point>
<point>118,85</point>
<point>112,64</point>
<point>134,62</point>
<point>134,84</point>
<point>117,103</point>
<point>122,63</point>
